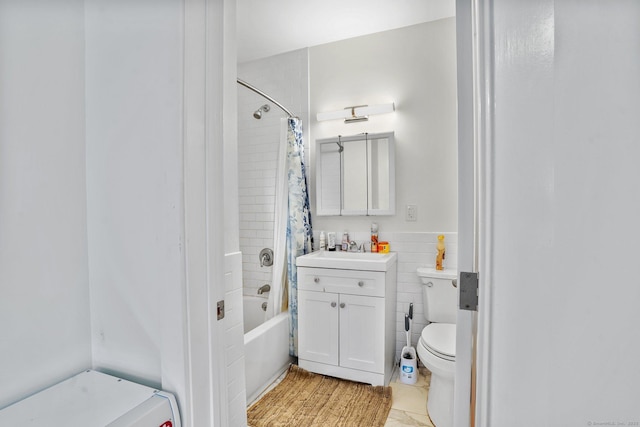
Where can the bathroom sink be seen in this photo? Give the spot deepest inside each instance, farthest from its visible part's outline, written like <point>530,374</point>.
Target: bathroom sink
<point>348,260</point>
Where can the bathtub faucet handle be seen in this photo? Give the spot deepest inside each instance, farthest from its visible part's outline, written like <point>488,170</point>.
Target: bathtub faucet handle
<point>266,257</point>
<point>264,288</point>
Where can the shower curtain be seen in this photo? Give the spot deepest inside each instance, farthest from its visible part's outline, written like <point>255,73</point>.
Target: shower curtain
<point>292,226</point>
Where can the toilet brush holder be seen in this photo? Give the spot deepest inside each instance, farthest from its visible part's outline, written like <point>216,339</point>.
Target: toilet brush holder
<point>409,366</point>
<point>409,359</point>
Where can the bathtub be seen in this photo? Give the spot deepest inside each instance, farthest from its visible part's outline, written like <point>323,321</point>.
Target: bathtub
<point>266,346</point>
<point>254,311</point>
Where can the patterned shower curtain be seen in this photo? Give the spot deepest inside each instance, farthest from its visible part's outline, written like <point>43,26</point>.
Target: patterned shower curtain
<point>299,231</point>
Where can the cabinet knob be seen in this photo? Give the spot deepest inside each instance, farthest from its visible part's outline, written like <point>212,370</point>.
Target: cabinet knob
<point>316,279</point>
<point>342,305</point>
<point>333,304</point>
<point>361,283</point>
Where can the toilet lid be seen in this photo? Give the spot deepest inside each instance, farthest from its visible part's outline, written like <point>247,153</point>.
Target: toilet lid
<point>440,338</point>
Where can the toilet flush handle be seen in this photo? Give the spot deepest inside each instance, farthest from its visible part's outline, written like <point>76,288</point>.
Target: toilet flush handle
<point>454,282</point>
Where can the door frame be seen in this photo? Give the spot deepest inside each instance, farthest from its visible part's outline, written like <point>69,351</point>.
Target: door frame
<point>205,376</point>
<point>474,44</point>
<point>204,23</point>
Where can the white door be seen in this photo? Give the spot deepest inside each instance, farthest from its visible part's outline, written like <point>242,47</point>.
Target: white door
<point>559,256</point>
<point>362,333</point>
<point>318,327</point>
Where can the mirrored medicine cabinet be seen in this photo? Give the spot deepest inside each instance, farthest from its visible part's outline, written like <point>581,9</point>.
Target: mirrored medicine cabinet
<point>355,175</point>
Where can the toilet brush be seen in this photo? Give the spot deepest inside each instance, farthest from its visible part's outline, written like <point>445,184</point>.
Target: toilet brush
<point>410,324</point>
<point>409,362</point>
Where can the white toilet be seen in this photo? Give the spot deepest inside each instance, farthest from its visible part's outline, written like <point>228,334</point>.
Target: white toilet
<point>437,345</point>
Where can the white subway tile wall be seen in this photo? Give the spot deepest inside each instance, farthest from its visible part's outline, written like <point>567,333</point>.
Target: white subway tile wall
<point>234,339</point>
<point>283,77</point>
<point>417,250</point>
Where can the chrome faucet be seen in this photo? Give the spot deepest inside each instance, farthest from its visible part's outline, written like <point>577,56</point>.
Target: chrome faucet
<point>264,288</point>
<point>353,247</point>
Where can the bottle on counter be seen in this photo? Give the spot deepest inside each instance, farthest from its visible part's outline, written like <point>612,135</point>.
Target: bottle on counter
<point>323,245</point>
<point>345,241</point>
<point>331,241</point>
<point>441,249</point>
<point>374,237</point>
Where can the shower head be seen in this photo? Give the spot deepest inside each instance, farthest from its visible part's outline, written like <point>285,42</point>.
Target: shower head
<point>258,113</point>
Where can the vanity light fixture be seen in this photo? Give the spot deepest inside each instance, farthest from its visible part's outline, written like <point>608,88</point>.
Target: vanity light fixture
<point>357,113</point>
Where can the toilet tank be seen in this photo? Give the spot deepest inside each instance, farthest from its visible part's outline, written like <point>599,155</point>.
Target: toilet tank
<point>439,295</point>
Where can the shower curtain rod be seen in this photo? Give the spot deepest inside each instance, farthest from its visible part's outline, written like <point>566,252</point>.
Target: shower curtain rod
<point>264,95</point>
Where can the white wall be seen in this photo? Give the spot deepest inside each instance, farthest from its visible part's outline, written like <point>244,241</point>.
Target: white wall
<point>93,190</point>
<point>134,182</point>
<point>44,303</point>
<point>563,347</point>
<point>415,67</point>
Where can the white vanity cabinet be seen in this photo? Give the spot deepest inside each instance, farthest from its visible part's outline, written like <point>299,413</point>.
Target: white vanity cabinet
<point>347,322</point>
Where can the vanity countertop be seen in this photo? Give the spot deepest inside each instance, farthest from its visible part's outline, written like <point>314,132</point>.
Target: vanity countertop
<point>369,261</point>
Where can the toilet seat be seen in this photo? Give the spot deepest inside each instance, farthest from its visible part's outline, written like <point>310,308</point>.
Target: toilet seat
<point>440,339</point>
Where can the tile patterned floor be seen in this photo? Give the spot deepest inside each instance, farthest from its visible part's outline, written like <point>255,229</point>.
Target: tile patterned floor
<point>409,406</point>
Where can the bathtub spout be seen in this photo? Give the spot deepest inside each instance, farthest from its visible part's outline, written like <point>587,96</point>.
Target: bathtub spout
<point>264,288</point>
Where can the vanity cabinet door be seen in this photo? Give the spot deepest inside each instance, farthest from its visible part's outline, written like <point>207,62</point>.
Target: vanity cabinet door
<point>318,327</point>
<point>362,333</point>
